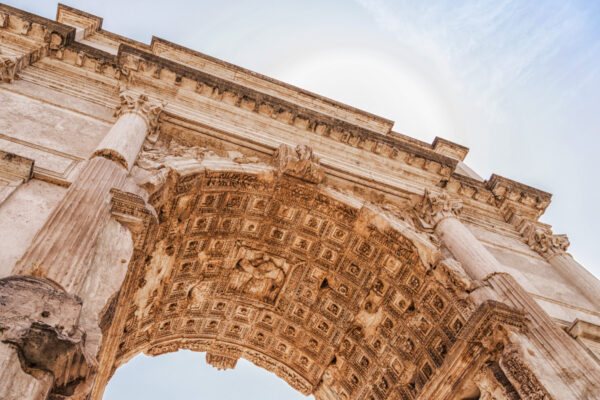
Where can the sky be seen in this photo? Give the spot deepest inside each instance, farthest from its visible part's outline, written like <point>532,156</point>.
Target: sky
<point>518,82</point>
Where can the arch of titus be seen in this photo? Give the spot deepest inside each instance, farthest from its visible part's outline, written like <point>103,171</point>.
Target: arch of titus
<point>153,198</point>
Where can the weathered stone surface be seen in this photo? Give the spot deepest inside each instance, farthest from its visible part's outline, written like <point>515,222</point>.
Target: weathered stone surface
<point>200,217</point>
<point>41,322</point>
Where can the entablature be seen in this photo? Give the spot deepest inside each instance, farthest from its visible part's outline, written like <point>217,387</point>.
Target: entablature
<point>415,165</point>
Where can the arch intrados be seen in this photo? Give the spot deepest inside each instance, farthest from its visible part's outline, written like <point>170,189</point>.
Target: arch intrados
<point>393,261</point>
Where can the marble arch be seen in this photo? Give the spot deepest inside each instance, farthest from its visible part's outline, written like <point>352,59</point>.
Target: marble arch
<point>337,296</point>
<point>153,198</point>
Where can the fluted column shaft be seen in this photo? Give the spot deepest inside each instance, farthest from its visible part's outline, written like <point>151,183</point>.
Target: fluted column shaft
<point>562,353</point>
<point>61,249</point>
<point>476,260</point>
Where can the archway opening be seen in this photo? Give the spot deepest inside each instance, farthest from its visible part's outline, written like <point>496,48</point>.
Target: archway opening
<point>185,375</point>
<point>290,275</point>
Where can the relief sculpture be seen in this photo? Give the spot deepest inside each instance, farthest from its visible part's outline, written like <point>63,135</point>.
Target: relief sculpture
<point>299,162</point>
<point>258,275</point>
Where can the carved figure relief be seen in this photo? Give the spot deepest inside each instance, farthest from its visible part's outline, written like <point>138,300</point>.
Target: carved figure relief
<point>299,162</point>
<point>198,294</point>
<point>258,275</point>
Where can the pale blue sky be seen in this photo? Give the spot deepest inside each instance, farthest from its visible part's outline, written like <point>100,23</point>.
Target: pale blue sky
<point>518,82</point>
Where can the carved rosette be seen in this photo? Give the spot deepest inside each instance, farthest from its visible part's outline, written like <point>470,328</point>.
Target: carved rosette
<point>431,209</point>
<point>542,241</point>
<point>140,104</point>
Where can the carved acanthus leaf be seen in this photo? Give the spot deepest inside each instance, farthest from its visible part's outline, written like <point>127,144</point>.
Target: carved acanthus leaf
<point>541,240</point>
<point>431,209</point>
<point>141,105</point>
<point>299,162</point>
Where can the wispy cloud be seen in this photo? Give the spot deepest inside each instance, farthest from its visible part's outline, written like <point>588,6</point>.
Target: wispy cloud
<point>493,47</point>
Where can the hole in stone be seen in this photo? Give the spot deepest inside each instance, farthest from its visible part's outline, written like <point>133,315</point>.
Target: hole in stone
<point>45,314</point>
<point>411,307</point>
<point>324,284</point>
<point>333,361</point>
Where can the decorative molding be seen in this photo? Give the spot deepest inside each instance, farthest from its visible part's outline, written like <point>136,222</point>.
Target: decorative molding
<point>54,176</point>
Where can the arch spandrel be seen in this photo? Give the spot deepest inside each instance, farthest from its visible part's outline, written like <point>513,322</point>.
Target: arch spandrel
<point>335,296</point>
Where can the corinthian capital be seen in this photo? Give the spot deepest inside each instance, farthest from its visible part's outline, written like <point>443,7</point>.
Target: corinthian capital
<point>141,105</point>
<point>542,240</point>
<point>431,209</point>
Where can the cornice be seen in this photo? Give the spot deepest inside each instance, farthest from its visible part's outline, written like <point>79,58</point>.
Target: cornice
<point>449,148</point>
<point>134,59</point>
<point>158,46</point>
<point>74,17</point>
<point>519,195</point>
<point>34,24</point>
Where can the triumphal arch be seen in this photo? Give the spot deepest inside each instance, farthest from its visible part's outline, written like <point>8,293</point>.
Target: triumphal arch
<point>153,198</point>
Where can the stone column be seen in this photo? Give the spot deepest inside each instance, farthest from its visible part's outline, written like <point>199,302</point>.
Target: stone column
<point>554,249</point>
<point>61,250</point>
<point>560,352</point>
<point>439,213</point>
<point>42,318</point>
